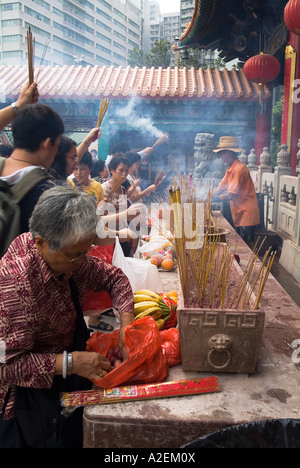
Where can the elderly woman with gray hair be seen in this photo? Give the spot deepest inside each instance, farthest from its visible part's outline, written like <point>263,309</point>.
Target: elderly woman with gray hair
<point>43,277</point>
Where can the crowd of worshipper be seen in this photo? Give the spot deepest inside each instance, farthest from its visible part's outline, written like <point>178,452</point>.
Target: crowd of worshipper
<point>122,179</point>
<point>46,268</point>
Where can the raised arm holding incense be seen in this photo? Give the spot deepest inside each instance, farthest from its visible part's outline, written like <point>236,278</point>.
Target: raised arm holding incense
<point>94,135</point>
<point>28,95</point>
<point>107,236</point>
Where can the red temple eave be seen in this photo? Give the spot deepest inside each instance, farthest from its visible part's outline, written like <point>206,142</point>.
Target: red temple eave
<point>202,16</point>
<point>93,83</point>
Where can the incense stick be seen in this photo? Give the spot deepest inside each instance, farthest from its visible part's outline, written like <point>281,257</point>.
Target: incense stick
<point>30,56</point>
<point>116,186</point>
<point>103,109</point>
<point>264,278</point>
<point>42,59</point>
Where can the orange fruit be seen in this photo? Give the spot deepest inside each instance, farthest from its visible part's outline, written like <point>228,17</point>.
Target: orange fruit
<point>154,261</point>
<point>167,264</point>
<point>171,293</point>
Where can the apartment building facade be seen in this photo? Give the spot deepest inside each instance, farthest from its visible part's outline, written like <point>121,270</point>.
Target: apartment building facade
<point>151,24</point>
<point>186,12</point>
<point>78,32</point>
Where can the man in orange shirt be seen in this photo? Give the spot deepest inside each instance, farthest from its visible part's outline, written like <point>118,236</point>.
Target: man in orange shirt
<point>237,187</point>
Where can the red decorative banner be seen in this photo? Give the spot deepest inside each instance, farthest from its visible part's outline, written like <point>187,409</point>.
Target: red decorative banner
<point>287,114</point>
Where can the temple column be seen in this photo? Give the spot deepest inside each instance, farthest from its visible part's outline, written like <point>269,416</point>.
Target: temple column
<point>291,100</point>
<point>263,128</point>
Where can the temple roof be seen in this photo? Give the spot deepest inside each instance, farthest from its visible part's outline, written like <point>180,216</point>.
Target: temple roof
<point>238,29</point>
<point>88,83</point>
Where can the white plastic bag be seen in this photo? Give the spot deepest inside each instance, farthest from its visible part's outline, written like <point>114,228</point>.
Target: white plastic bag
<point>141,274</point>
<point>156,244</point>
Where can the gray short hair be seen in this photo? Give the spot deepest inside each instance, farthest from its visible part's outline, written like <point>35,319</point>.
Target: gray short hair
<point>64,216</point>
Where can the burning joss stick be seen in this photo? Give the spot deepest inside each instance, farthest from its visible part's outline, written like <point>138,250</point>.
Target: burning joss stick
<point>42,59</point>
<point>30,56</point>
<point>159,177</point>
<point>103,109</point>
<point>116,186</point>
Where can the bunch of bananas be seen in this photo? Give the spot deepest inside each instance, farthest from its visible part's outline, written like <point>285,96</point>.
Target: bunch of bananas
<point>150,303</point>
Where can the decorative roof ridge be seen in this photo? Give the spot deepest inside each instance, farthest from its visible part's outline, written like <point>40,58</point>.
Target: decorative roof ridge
<point>123,82</point>
<point>203,13</point>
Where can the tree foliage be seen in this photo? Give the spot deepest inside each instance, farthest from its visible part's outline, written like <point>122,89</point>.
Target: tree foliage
<point>196,59</point>
<point>160,56</point>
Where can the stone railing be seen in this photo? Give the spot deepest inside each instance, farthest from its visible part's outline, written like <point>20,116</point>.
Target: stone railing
<point>280,190</point>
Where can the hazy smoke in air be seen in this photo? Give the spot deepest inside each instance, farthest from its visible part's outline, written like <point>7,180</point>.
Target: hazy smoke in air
<point>133,118</point>
<point>2,91</point>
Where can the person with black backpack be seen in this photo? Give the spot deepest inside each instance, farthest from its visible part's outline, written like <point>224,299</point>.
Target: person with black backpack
<point>37,131</point>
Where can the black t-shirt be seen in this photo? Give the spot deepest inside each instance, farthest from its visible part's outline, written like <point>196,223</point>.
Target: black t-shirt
<point>28,203</point>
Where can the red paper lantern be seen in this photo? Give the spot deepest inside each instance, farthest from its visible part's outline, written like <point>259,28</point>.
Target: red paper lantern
<point>292,16</point>
<point>262,68</point>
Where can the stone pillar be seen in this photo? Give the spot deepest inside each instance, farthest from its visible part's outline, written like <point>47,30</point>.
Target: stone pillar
<point>243,157</point>
<point>252,160</point>
<point>265,166</point>
<point>283,168</point>
<point>252,166</point>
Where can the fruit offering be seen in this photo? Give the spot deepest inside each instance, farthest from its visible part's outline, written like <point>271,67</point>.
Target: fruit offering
<point>150,303</point>
<point>163,259</point>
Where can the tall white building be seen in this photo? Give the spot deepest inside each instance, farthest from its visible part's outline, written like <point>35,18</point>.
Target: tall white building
<point>157,26</point>
<point>186,12</point>
<point>171,26</point>
<point>98,32</point>
<point>152,24</point>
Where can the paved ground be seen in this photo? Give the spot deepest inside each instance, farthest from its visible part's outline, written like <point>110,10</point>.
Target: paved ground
<point>289,284</point>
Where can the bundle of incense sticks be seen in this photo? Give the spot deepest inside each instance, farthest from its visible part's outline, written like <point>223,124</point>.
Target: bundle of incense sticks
<point>30,49</point>
<point>103,109</point>
<point>160,176</point>
<point>205,272</point>
<point>140,392</point>
<point>183,221</point>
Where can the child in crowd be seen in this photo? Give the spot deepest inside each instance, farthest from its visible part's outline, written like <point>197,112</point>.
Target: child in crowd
<point>99,171</point>
<point>83,181</point>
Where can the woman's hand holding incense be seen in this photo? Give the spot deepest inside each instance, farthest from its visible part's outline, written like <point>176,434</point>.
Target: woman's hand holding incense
<point>94,135</point>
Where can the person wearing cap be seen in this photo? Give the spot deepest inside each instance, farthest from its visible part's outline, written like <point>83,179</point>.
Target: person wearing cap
<point>237,187</point>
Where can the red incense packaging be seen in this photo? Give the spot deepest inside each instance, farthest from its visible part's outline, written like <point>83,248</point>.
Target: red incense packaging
<point>140,392</point>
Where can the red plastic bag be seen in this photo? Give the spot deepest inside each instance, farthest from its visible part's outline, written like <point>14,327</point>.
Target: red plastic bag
<point>171,346</point>
<point>99,300</point>
<point>147,362</point>
<point>172,321</point>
